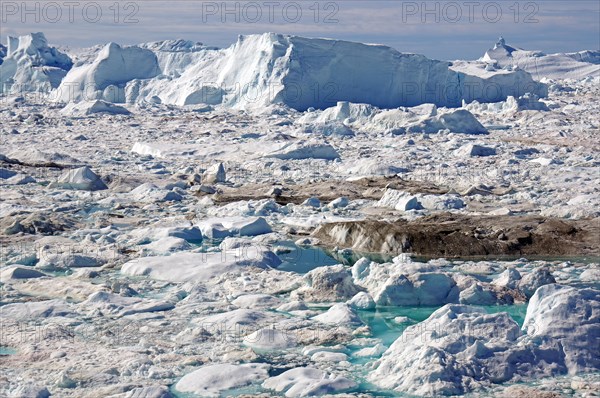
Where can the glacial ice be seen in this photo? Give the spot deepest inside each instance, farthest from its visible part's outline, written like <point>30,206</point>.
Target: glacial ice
<point>82,178</point>
<point>105,78</point>
<point>425,118</point>
<point>567,320</point>
<point>460,348</point>
<point>259,70</point>
<point>31,65</point>
<point>323,284</point>
<point>436,357</point>
<point>540,65</point>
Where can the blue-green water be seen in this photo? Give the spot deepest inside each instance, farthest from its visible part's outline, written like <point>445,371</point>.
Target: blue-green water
<point>7,351</point>
<point>303,259</point>
<point>383,327</point>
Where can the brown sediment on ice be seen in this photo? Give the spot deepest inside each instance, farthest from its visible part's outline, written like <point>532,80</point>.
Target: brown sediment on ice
<point>453,235</point>
<point>363,188</point>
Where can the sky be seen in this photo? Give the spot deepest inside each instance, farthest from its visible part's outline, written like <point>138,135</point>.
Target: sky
<point>438,29</point>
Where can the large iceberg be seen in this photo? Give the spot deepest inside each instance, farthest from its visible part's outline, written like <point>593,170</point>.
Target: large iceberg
<point>260,70</point>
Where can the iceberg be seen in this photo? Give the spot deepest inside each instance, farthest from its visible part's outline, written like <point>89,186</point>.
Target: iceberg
<point>302,73</point>
<point>28,63</point>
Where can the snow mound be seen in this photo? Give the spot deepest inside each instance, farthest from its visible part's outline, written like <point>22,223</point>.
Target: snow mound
<point>29,64</point>
<point>362,301</point>
<point>150,193</point>
<point>39,309</point>
<point>339,314</point>
<point>302,150</point>
<point>399,200</point>
<point>111,303</point>
<point>474,150</point>
<point>259,300</point>
<point>86,108</point>
<point>552,66</point>
<point>106,77</point>
<point>213,380</point>
<point>188,233</point>
<point>168,245</point>
<point>237,320</point>
<point>270,339</point>
<point>183,267</point>
<point>371,167</point>
<point>17,272</point>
